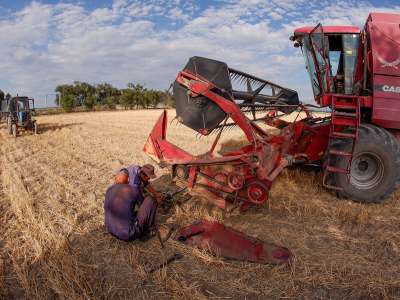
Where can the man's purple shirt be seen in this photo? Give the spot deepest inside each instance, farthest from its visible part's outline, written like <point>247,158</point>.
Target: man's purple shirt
<point>119,208</point>
<point>134,176</point>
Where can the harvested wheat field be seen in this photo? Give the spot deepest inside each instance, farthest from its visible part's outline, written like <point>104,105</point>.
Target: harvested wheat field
<point>53,243</point>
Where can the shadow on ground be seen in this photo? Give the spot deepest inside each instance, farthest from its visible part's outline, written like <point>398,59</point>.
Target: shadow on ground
<point>44,127</point>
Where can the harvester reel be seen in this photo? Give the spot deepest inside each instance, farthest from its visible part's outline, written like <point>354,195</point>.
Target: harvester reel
<point>235,181</point>
<point>200,113</point>
<point>257,193</point>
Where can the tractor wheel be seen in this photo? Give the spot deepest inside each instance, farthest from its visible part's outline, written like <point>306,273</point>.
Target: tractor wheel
<point>375,166</point>
<point>34,127</point>
<point>9,123</point>
<point>14,130</point>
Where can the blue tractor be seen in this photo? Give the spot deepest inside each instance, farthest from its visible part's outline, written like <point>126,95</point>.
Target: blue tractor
<point>18,112</point>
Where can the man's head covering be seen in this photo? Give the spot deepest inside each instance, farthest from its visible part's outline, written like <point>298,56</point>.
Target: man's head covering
<point>123,171</point>
<point>149,170</point>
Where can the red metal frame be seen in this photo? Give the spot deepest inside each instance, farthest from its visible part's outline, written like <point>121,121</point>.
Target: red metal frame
<point>197,85</point>
<point>323,55</point>
<point>329,30</point>
<point>259,163</point>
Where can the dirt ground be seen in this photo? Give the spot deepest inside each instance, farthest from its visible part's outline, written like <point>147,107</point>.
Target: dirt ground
<point>53,243</point>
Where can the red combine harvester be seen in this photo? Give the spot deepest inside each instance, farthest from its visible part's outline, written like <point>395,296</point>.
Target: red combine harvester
<point>355,73</point>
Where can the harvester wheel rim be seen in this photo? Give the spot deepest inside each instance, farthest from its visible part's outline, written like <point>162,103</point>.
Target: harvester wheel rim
<point>367,170</point>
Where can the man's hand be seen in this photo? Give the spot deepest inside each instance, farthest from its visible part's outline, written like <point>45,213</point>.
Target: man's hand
<point>156,194</point>
<point>159,198</point>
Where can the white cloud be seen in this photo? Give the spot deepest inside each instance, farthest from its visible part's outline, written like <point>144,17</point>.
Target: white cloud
<point>29,26</point>
<point>274,15</point>
<point>176,13</point>
<point>129,41</point>
<point>280,10</point>
<point>119,3</point>
<point>145,9</point>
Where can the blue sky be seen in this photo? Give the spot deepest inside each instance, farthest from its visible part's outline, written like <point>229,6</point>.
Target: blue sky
<point>47,43</point>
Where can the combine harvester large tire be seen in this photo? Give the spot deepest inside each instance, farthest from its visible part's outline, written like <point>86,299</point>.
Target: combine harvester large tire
<point>375,166</point>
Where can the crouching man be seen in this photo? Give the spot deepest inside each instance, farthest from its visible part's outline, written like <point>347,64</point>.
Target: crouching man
<point>128,215</point>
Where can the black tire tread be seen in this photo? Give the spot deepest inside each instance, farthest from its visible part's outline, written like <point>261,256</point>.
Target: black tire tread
<point>9,124</point>
<point>14,130</point>
<point>366,131</point>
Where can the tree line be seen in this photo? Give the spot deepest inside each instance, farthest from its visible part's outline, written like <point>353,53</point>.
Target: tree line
<point>3,96</point>
<point>90,96</point>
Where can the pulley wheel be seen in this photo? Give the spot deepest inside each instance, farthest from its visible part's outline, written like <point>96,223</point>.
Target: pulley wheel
<point>182,172</point>
<point>222,176</point>
<point>235,181</point>
<point>200,113</point>
<point>257,193</point>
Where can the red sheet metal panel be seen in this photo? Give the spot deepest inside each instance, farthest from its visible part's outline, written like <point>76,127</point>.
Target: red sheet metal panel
<point>217,239</point>
<point>159,149</point>
<point>384,18</point>
<point>317,144</point>
<point>329,29</point>
<point>383,31</point>
<point>386,95</point>
<point>384,52</point>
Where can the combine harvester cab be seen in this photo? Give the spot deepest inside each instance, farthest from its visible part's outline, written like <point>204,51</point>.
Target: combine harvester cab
<point>357,74</point>
<point>206,102</point>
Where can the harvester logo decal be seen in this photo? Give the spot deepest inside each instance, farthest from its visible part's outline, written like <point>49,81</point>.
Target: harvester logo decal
<point>387,64</point>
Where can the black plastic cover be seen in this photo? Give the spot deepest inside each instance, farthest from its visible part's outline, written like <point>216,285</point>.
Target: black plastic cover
<point>200,113</point>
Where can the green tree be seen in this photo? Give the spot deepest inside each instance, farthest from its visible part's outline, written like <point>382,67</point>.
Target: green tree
<point>138,91</point>
<point>90,101</point>
<point>111,102</point>
<point>151,97</point>
<point>105,90</point>
<point>116,93</point>
<point>1,95</point>
<point>65,90</point>
<point>81,90</point>
<point>68,102</point>
<point>127,99</point>
<point>167,98</point>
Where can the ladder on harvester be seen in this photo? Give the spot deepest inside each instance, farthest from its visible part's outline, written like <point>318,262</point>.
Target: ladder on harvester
<point>345,112</point>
